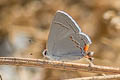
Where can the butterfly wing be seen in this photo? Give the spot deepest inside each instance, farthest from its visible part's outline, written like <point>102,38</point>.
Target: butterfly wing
<point>66,49</point>
<point>59,42</point>
<point>62,25</point>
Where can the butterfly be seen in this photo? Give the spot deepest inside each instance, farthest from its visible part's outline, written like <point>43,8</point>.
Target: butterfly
<point>66,41</point>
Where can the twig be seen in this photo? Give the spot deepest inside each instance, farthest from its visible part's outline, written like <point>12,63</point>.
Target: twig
<point>56,65</point>
<point>98,77</point>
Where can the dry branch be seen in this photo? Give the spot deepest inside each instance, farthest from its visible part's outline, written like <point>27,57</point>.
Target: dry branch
<point>56,65</point>
<point>106,77</point>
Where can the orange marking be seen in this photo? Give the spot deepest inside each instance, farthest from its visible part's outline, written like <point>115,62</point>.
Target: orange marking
<point>86,47</point>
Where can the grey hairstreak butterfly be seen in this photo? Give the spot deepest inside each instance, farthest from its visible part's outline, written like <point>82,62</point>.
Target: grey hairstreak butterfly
<point>66,41</point>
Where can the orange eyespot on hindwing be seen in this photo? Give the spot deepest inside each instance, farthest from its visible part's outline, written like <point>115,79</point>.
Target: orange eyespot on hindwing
<point>86,48</point>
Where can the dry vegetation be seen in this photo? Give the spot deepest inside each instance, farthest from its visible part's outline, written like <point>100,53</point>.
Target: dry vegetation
<point>24,28</point>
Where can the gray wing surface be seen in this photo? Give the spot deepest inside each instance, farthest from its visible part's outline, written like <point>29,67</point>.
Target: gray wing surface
<point>66,48</point>
<point>62,26</point>
<point>59,42</point>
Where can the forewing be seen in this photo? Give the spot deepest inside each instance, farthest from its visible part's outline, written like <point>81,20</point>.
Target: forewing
<point>62,26</point>
<point>66,19</point>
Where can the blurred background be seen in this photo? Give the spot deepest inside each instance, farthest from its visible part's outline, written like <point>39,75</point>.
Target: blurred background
<point>25,25</point>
